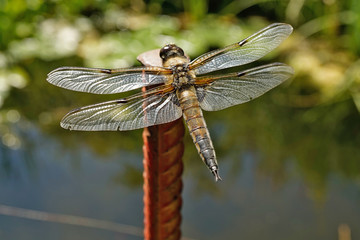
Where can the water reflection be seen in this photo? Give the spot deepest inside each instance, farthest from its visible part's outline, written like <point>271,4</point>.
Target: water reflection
<point>276,196</point>
<point>45,175</point>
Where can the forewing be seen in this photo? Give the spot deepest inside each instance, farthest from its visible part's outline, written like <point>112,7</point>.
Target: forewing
<point>107,81</point>
<point>222,91</point>
<point>125,114</point>
<point>245,51</point>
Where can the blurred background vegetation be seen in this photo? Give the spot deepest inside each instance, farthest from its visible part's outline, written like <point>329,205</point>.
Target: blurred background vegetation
<point>320,104</point>
<point>311,122</point>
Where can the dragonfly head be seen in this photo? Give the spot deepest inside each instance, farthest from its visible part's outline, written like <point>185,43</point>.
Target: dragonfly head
<point>171,51</point>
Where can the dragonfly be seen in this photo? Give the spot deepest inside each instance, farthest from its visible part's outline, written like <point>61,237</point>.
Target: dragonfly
<point>179,88</point>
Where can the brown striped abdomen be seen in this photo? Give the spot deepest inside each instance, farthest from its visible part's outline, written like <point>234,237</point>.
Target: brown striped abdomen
<point>197,127</point>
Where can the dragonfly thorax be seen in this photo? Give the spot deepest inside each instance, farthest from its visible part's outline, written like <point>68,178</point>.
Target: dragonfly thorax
<point>182,76</point>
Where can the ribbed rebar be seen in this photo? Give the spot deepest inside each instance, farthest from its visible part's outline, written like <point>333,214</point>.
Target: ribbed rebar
<point>163,149</point>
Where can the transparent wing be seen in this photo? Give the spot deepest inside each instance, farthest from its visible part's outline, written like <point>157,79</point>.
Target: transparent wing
<point>245,51</point>
<point>222,91</point>
<point>125,114</point>
<point>106,81</point>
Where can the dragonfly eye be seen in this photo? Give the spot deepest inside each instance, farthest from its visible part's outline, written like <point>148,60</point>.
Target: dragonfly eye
<point>170,51</point>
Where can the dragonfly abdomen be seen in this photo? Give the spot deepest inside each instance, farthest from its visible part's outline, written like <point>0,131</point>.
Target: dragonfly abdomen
<point>197,128</point>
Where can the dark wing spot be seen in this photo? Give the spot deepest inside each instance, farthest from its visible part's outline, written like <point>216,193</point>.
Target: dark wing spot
<point>243,42</point>
<point>200,93</point>
<point>75,110</point>
<point>108,71</point>
<point>123,100</point>
<point>176,101</point>
<point>240,74</point>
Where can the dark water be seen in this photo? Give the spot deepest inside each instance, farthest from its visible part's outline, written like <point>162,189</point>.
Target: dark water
<point>282,179</point>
